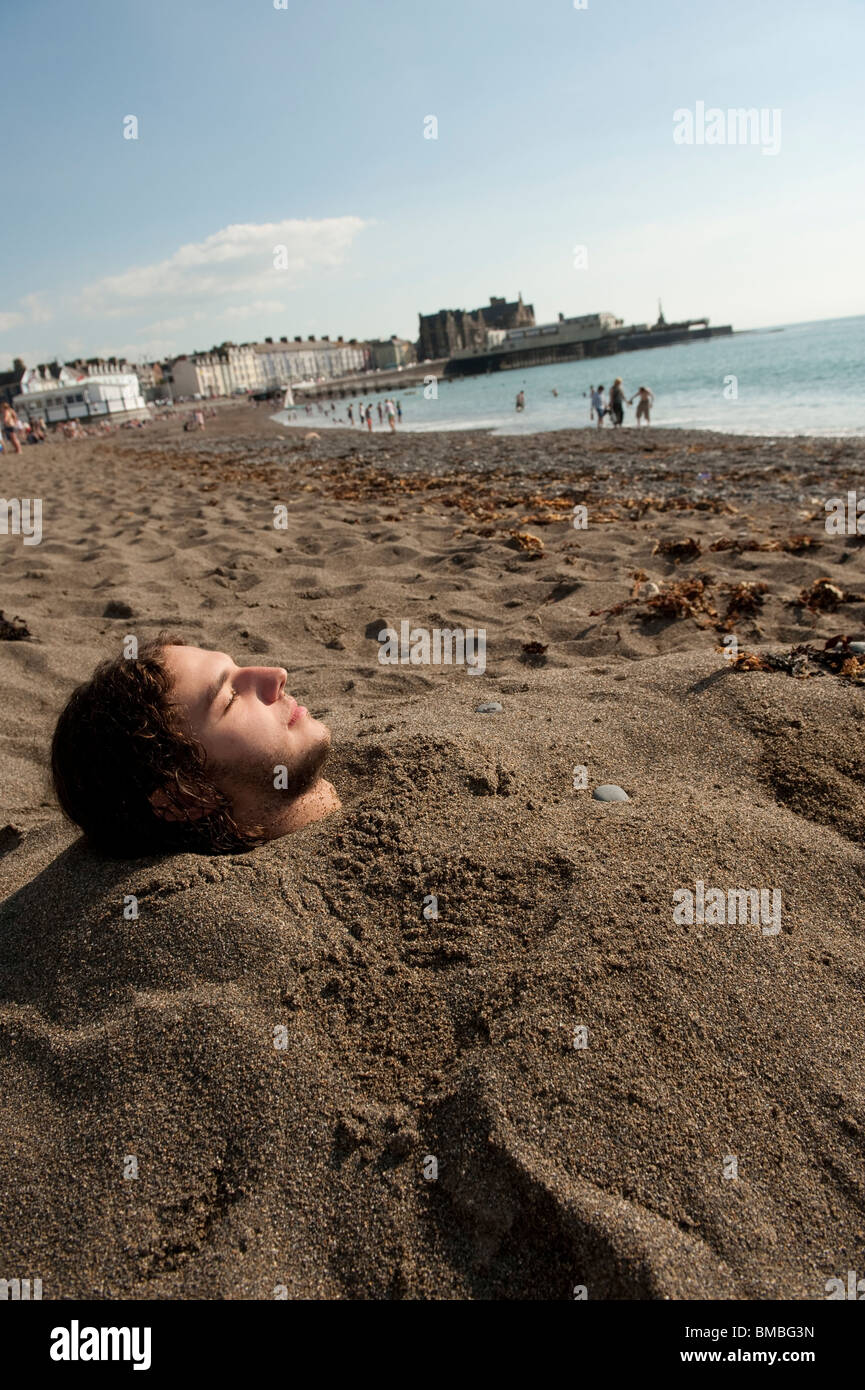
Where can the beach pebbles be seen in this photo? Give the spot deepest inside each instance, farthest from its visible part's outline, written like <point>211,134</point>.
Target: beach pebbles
<point>492,708</point>
<point>608,792</point>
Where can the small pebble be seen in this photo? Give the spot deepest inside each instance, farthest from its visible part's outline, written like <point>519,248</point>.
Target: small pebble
<point>492,708</point>
<point>608,792</point>
<point>648,590</point>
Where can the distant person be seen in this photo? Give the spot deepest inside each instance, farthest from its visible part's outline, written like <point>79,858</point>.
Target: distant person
<point>399,412</point>
<point>555,392</point>
<point>199,419</point>
<point>521,400</point>
<point>369,418</point>
<point>598,406</point>
<point>617,402</point>
<point>380,415</point>
<point>645,400</point>
<point>391,414</point>
<point>350,415</point>
<point>11,426</point>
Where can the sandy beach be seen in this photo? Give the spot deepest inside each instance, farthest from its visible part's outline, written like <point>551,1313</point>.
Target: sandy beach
<point>328,1094</point>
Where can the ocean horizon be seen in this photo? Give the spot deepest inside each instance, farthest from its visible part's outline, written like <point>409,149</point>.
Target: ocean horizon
<point>794,379</point>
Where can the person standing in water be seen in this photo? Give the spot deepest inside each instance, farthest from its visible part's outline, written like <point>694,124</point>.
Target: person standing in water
<point>617,402</point>
<point>645,400</point>
<point>369,418</point>
<point>399,411</point>
<point>598,404</point>
<point>390,409</point>
<point>521,400</point>
<point>350,415</point>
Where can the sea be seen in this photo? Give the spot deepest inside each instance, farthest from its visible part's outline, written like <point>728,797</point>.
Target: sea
<point>799,379</point>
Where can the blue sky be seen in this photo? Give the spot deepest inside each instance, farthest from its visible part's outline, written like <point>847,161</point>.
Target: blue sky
<point>303,127</point>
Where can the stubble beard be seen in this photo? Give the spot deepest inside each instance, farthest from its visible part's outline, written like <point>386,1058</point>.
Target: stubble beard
<point>255,799</point>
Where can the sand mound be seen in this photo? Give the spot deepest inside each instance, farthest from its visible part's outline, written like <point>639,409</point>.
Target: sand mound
<point>282,1041</point>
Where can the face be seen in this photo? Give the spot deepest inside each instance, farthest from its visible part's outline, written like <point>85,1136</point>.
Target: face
<point>248,725</point>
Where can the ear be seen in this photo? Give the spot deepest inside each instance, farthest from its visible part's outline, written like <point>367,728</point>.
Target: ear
<point>166,809</point>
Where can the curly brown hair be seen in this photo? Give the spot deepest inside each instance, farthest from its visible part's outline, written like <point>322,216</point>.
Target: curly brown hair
<point>119,740</point>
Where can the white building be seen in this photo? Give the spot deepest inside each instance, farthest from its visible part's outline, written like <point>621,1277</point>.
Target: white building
<point>74,397</point>
<point>316,359</point>
<point>585,328</point>
<point>223,372</point>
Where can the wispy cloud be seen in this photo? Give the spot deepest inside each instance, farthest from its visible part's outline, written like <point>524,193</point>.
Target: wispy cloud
<point>236,263</point>
<point>231,277</point>
<point>32,308</point>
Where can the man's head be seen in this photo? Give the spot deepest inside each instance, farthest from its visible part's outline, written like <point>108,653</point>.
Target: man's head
<point>179,748</point>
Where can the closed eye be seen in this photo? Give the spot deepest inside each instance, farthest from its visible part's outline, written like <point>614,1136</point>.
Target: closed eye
<point>231,702</point>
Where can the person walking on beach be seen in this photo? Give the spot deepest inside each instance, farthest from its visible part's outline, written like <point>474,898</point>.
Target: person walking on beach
<point>598,407</point>
<point>391,414</point>
<point>645,400</point>
<point>11,426</point>
<point>617,402</point>
<point>521,400</point>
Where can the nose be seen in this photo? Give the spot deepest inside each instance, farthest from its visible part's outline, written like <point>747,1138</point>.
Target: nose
<point>269,682</point>
<point>278,677</point>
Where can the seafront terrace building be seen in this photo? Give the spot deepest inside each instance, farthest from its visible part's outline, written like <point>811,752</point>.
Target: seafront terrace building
<point>224,371</point>
<point>231,369</point>
<point>316,359</point>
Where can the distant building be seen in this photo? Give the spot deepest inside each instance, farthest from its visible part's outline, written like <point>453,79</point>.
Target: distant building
<point>453,330</point>
<point>10,382</point>
<point>150,379</point>
<point>316,359</point>
<point>74,395</point>
<point>563,336</point>
<point>391,352</point>
<point>224,371</point>
<point>99,366</point>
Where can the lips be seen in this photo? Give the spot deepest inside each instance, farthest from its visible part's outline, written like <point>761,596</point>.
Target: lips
<point>297,713</point>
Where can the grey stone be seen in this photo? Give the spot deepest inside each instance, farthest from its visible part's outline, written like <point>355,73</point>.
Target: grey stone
<point>858,648</point>
<point>609,792</point>
<point>492,708</point>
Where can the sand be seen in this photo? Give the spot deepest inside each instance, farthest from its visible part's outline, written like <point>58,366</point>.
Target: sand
<point>325,1094</point>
